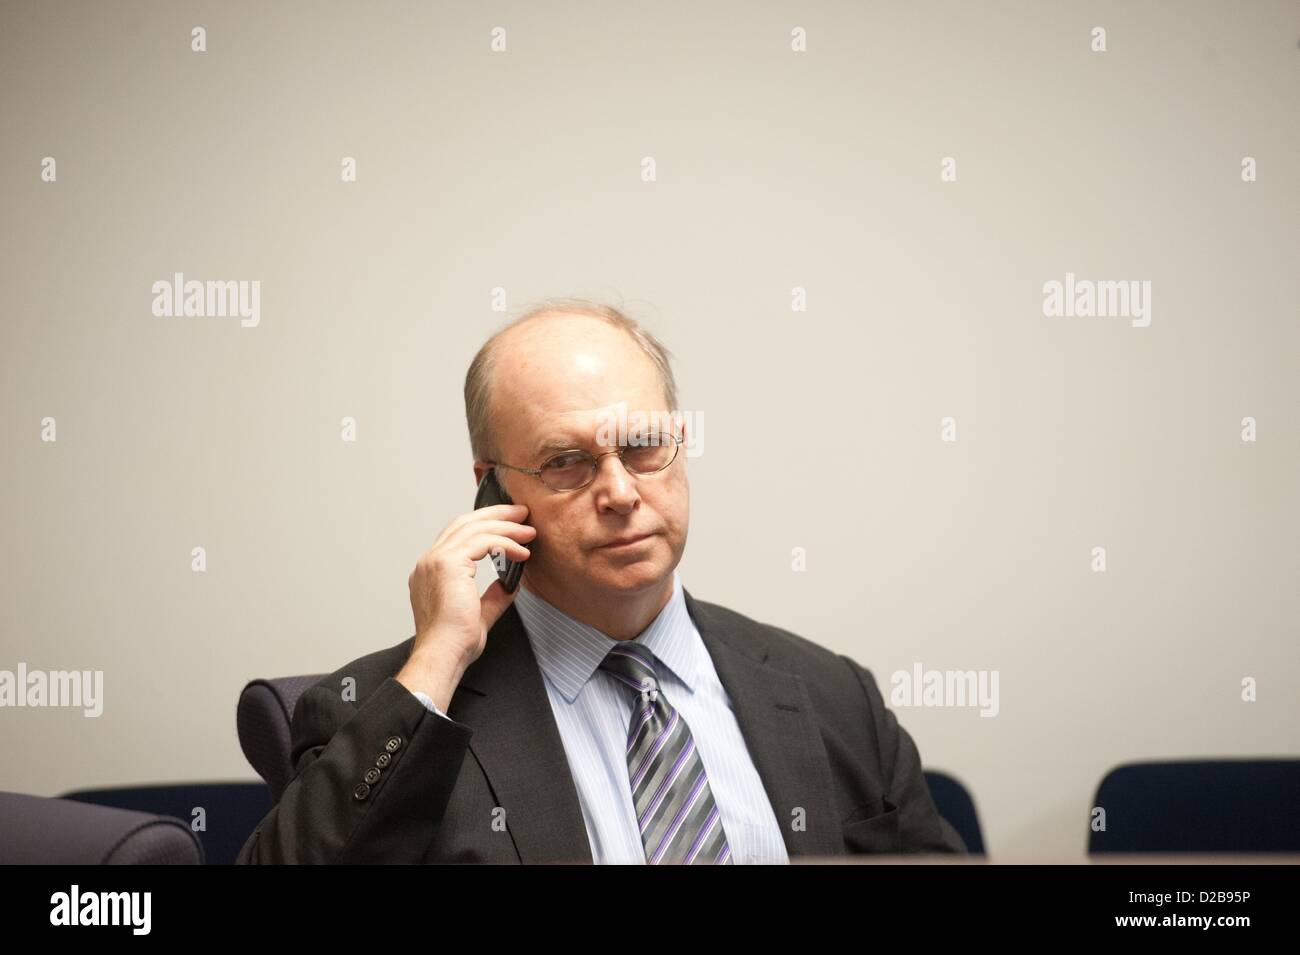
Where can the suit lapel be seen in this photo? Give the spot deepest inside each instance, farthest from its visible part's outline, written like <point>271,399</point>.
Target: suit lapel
<point>776,717</point>
<point>516,740</point>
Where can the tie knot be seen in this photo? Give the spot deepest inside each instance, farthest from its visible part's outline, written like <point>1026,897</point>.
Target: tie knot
<point>631,663</point>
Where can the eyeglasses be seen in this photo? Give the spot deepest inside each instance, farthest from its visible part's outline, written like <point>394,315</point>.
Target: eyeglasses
<point>574,469</point>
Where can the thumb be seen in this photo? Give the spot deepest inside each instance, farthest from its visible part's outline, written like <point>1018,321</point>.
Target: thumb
<point>494,602</point>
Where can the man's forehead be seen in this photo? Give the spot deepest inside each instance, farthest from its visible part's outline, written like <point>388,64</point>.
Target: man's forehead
<point>553,383</point>
<point>542,423</point>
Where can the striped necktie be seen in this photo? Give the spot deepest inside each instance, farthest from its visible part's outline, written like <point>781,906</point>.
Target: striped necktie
<point>674,805</point>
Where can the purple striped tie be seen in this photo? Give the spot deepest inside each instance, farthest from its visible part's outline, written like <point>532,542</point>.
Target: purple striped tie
<point>674,805</point>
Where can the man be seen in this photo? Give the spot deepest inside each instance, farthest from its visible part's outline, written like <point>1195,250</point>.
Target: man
<point>600,712</point>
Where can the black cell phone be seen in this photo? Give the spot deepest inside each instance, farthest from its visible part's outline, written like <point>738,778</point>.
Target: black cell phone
<point>489,493</point>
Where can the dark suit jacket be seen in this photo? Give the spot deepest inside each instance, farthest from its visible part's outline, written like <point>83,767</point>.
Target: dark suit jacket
<point>382,779</point>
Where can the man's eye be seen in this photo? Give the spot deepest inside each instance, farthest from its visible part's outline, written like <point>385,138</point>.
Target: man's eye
<point>563,461</point>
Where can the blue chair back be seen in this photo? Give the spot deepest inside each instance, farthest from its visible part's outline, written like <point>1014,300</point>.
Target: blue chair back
<point>1235,805</point>
<point>231,811</point>
<point>955,804</point>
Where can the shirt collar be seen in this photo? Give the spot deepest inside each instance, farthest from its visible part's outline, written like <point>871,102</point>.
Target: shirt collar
<point>570,651</point>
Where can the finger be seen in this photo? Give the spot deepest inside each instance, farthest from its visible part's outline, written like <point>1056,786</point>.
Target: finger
<point>503,528</point>
<point>501,511</point>
<point>476,548</point>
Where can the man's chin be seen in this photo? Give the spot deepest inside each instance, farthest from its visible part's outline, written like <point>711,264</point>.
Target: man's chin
<point>629,576</point>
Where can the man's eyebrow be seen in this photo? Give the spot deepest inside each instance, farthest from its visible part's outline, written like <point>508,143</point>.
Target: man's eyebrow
<point>554,444</point>
<point>557,443</point>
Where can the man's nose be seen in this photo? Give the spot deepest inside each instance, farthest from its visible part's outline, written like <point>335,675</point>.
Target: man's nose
<point>614,481</point>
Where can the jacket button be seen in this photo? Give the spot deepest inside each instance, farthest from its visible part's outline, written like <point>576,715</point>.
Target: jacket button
<point>372,775</point>
<point>383,760</point>
<point>361,792</point>
<point>394,744</point>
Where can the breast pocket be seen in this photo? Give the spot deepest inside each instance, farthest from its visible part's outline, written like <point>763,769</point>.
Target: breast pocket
<point>873,834</point>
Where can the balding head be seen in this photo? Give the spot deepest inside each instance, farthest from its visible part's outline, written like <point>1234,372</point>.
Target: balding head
<point>603,327</point>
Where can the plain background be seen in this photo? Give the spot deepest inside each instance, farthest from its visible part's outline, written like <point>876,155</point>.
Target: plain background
<point>821,429</point>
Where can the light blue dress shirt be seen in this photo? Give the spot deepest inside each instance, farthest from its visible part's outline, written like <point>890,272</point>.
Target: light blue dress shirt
<point>593,711</point>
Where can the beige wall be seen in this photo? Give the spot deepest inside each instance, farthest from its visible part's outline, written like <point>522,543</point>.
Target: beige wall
<point>775,170</point>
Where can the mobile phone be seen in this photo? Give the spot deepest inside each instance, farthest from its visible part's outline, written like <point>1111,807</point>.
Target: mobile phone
<point>489,493</point>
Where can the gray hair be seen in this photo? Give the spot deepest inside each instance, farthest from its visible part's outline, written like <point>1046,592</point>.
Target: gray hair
<point>478,380</point>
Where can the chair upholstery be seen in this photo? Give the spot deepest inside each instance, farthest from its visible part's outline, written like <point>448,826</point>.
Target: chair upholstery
<point>1236,805</point>
<point>44,830</point>
<point>954,803</point>
<point>263,718</point>
<point>231,811</point>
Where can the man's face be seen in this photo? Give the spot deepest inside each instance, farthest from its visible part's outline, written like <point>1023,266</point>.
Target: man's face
<point>558,385</point>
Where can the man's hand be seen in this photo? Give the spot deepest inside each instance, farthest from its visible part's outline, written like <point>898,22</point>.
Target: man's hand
<point>451,620</point>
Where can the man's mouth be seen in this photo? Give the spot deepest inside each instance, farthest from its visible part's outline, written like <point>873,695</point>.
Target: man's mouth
<point>625,541</point>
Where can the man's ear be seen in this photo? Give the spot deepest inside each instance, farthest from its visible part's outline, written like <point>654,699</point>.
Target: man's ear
<point>498,476</point>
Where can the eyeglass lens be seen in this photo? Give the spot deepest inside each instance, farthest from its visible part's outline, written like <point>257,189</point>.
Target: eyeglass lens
<point>570,470</point>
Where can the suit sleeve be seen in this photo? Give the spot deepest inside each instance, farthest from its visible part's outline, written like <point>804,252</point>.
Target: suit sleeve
<point>371,781</point>
<point>921,828</point>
